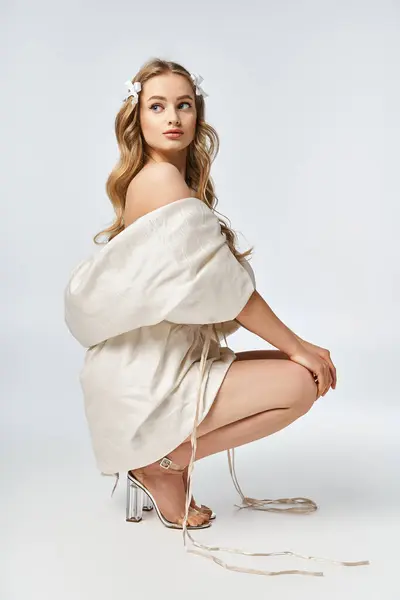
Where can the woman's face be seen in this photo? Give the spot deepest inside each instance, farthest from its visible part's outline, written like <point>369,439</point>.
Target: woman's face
<point>167,102</point>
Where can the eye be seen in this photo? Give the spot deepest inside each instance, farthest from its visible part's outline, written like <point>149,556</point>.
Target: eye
<point>156,104</point>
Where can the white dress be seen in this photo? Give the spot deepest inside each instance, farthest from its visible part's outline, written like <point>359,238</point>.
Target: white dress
<point>141,306</point>
<point>151,308</point>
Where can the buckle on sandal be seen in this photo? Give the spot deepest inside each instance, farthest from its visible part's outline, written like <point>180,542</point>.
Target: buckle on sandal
<point>165,463</point>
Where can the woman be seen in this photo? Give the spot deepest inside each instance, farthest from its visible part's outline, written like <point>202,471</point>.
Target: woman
<point>153,305</point>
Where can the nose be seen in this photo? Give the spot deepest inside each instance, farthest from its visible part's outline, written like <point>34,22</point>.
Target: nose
<point>173,117</point>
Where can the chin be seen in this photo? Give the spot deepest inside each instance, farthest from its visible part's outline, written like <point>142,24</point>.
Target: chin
<point>179,140</point>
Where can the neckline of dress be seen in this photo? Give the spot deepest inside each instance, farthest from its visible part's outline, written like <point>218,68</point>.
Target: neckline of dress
<point>146,216</point>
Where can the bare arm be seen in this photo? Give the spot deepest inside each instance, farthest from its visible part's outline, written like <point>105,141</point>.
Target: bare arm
<point>259,318</point>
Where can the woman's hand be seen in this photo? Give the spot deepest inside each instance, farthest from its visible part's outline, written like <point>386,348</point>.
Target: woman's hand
<point>325,354</point>
<point>309,356</point>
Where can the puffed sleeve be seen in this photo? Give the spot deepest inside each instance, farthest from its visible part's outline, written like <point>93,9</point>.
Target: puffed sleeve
<point>210,285</point>
<point>171,264</point>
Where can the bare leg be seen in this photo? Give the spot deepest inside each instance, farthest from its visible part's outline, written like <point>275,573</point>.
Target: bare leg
<point>276,392</point>
<point>230,436</point>
<point>244,355</point>
<point>236,434</point>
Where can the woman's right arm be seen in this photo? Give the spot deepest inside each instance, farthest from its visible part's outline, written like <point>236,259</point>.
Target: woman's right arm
<point>259,318</point>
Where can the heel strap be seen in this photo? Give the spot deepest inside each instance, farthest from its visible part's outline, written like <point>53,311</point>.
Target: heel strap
<point>167,463</point>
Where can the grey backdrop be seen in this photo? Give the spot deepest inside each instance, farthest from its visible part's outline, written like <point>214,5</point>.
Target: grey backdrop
<point>305,98</point>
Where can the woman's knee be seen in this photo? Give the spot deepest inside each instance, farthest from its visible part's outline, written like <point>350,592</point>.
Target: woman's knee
<point>305,388</point>
<point>254,386</point>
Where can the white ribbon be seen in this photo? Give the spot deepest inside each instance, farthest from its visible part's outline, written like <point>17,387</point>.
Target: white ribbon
<point>134,89</point>
<point>197,79</point>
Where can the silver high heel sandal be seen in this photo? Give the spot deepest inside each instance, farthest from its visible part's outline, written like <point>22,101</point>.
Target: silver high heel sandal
<point>148,505</point>
<point>138,498</point>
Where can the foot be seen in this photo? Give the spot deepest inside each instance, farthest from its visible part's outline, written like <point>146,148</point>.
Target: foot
<point>169,491</point>
<point>203,508</point>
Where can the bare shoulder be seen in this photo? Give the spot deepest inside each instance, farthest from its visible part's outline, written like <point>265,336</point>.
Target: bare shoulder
<point>154,186</point>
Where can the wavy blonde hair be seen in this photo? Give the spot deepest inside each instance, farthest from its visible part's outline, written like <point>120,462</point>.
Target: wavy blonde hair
<point>201,153</point>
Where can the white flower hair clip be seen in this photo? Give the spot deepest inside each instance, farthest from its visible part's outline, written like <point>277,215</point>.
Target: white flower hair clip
<point>197,79</point>
<point>134,88</point>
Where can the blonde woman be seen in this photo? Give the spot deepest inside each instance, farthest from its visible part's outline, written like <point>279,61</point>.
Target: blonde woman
<point>153,305</point>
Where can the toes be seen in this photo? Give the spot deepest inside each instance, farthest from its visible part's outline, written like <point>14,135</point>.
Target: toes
<point>195,518</point>
<point>200,518</point>
<point>206,509</point>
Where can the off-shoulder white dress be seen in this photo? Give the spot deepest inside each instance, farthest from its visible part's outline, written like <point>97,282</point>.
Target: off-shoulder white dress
<point>152,307</point>
<point>141,306</point>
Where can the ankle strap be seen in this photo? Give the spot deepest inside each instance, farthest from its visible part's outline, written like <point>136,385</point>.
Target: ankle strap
<point>167,463</point>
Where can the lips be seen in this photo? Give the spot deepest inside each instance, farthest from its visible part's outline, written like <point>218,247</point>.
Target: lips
<point>173,136</point>
<point>173,131</point>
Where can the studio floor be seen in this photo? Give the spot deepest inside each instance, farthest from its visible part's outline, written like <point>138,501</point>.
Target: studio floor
<point>64,537</point>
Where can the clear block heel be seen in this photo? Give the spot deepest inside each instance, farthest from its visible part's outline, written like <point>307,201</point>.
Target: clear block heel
<point>147,503</point>
<point>138,497</point>
<point>134,502</point>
